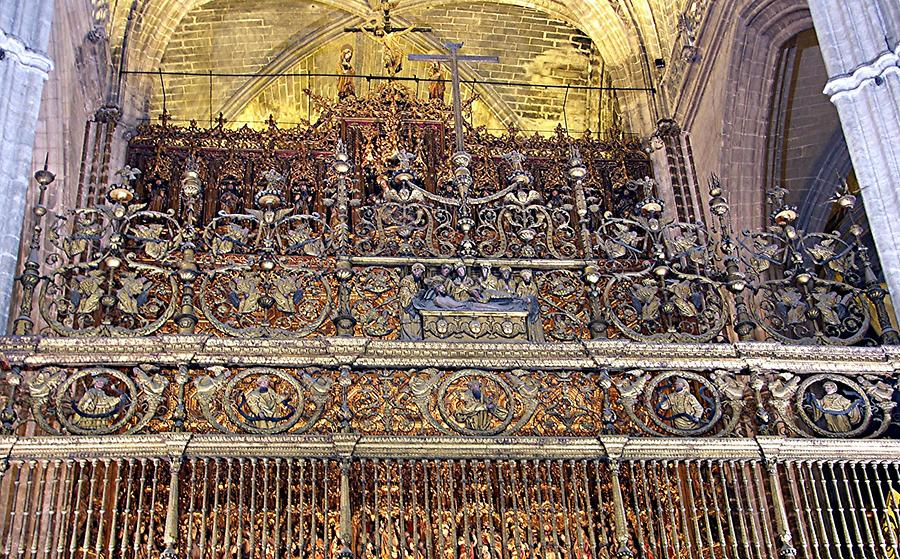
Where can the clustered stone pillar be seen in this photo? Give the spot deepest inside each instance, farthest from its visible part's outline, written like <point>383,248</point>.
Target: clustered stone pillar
<point>24,35</point>
<point>860,43</point>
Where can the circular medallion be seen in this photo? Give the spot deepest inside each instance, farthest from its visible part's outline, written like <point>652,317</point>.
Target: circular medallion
<point>476,403</point>
<point>101,401</point>
<point>682,403</point>
<point>833,406</point>
<point>264,401</point>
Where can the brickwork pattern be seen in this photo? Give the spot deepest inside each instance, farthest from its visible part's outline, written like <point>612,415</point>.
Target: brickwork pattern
<point>229,36</point>
<point>532,47</point>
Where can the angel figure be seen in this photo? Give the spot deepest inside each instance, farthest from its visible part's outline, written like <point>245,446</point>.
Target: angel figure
<point>133,293</point>
<point>646,298</point>
<point>245,293</point>
<point>287,293</point>
<point>86,295</point>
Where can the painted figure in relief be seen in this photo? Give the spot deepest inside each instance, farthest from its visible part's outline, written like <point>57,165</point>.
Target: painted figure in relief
<point>264,404</point>
<point>839,413</point>
<point>453,289</point>
<point>478,411</point>
<point>95,407</point>
<point>436,88</point>
<point>527,290</point>
<point>684,410</point>
<point>230,199</point>
<point>410,286</point>
<point>345,69</point>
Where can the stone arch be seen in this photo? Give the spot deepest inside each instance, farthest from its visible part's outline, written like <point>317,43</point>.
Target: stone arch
<point>607,24</point>
<point>299,50</point>
<point>763,28</point>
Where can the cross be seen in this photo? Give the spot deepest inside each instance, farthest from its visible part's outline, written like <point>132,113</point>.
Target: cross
<point>454,59</point>
<point>385,28</point>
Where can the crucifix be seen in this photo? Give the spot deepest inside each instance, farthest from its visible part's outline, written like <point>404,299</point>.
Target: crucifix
<point>386,33</point>
<point>454,58</point>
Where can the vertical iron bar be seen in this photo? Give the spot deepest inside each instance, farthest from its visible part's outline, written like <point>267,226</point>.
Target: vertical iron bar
<point>85,542</point>
<point>38,510</point>
<point>588,509</point>
<point>862,508</point>
<point>204,509</point>
<point>170,539</point>
<point>288,536</point>
<point>189,543</point>
<point>239,519</point>
<point>640,539</point>
<point>276,536</point>
<point>76,513</point>
<point>139,510</point>
<point>834,538</point>
<point>217,511</point>
<point>668,489</point>
<point>429,522</point>
<point>660,516</point>
<point>301,529</point>
<point>706,524</point>
<point>264,529</point>
<point>781,519</point>
<point>742,516</point>
<point>621,531</point>
<point>151,513</point>
<point>601,520</point>
<point>226,544</point>
<point>111,540</point>
<point>251,537</point>
<point>129,489</point>
<point>728,514</point>
<point>848,541</point>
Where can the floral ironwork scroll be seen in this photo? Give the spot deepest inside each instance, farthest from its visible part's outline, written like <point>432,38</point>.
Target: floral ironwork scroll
<point>319,231</point>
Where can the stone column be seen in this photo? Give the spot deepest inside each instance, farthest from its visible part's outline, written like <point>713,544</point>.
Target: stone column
<point>24,35</point>
<point>860,42</point>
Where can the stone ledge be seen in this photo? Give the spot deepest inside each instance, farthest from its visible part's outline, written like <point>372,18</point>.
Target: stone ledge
<point>475,448</point>
<point>333,352</point>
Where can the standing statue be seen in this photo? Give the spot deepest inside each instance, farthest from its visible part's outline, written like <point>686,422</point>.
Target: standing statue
<point>840,413</point>
<point>159,194</point>
<point>684,409</point>
<point>437,87</point>
<point>345,69</point>
<point>410,287</point>
<point>527,290</point>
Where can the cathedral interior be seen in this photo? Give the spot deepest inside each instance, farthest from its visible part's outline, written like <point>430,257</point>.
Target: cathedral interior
<point>449,279</point>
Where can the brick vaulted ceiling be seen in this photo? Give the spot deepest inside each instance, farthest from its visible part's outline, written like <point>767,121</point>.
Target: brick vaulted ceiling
<point>538,41</point>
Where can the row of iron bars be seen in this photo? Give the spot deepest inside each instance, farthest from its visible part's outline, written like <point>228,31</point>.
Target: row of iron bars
<point>205,507</point>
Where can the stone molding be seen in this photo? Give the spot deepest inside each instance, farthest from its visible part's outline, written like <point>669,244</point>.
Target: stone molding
<point>845,84</point>
<point>333,352</point>
<point>27,57</point>
<point>175,445</point>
